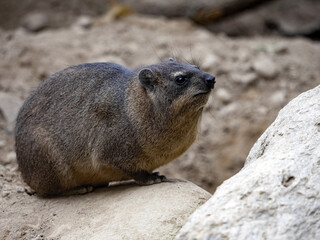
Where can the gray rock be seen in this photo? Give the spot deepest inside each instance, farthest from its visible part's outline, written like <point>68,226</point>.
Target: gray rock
<point>229,109</point>
<point>210,61</point>
<point>3,143</point>
<point>300,18</point>
<point>281,49</point>
<point>277,98</point>
<point>277,194</point>
<point>9,106</point>
<point>35,22</point>
<point>240,18</point>
<point>244,79</point>
<point>265,67</point>
<point>84,21</point>
<point>9,158</point>
<point>223,95</point>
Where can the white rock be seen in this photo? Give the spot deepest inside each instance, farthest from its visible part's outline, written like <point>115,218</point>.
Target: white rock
<point>277,194</point>
<point>223,95</point>
<point>35,21</point>
<point>229,109</point>
<point>265,67</point>
<point>84,21</point>
<point>10,158</point>
<point>125,212</point>
<point>281,49</point>
<point>210,61</point>
<point>244,79</point>
<point>277,98</point>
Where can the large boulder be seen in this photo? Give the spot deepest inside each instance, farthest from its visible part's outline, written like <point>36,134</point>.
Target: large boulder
<point>126,211</point>
<point>277,194</point>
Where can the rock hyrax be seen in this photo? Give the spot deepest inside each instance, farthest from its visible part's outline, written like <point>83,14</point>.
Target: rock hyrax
<point>95,123</point>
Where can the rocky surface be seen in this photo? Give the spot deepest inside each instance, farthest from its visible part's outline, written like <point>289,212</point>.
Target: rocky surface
<point>242,105</point>
<point>277,194</point>
<point>119,212</point>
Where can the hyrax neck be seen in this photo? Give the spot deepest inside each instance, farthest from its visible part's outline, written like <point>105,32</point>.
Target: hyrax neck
<point>162,130</point>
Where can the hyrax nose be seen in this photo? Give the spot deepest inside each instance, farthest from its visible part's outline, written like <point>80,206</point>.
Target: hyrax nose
<point>210,80</point>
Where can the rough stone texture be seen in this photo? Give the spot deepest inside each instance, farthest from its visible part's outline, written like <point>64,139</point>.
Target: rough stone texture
<point>277,194</point>
<point>119,212</point>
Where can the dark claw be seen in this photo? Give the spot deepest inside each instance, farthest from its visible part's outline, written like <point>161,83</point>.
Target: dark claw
<point>163,178</point>
<point>156,174</point>
<point>159,177</point>
<point>150,178</point>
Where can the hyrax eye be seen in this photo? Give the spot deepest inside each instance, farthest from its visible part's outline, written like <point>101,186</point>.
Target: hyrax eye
<point>180,80</point>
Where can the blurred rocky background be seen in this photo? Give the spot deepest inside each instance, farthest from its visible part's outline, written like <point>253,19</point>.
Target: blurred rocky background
<point>233,17</point>
<point>263,53</point>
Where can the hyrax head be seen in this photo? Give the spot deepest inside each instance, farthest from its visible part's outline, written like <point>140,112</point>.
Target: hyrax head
<point>177,85</point>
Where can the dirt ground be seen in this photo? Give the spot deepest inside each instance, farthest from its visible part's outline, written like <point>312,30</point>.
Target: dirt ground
<point>256,77</point>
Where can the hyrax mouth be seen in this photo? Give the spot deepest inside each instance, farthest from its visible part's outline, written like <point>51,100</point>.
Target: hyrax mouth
<point>202,93</point>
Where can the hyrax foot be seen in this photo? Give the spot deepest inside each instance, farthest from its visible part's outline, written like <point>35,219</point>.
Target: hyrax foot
<point>158,177</point>
<point>146,178</point>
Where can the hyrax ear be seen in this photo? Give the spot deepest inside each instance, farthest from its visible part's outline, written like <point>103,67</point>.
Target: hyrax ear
<point>147,78</point>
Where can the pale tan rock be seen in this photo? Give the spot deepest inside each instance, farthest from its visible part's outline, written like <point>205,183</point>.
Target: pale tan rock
<point>126,212</point>
<point>265,67</point>
<point>277,194</point>
<point>35,22</point>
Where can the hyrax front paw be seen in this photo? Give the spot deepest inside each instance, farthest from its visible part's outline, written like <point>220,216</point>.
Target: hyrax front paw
<point>158,178</point>
<point>146,178</point>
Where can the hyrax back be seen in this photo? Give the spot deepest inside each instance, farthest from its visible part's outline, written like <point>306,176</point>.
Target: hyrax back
<point>95,123</point>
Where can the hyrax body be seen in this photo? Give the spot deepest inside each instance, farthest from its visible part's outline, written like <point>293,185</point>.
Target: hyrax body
<point>95,123</point>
